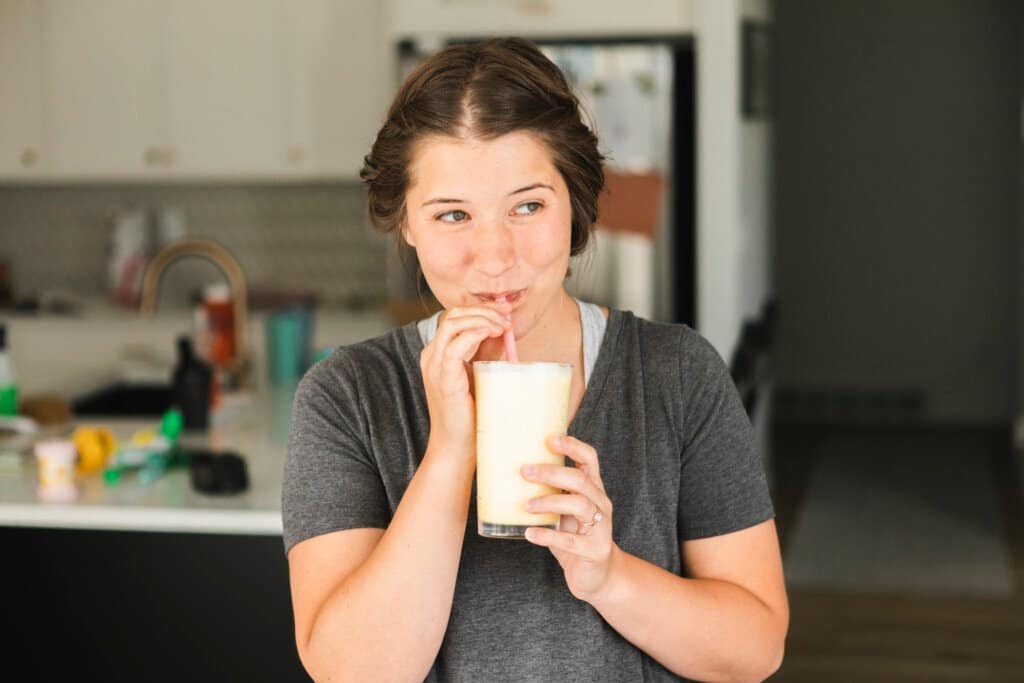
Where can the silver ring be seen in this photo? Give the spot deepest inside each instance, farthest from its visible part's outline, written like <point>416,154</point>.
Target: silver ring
<point>584,528</point>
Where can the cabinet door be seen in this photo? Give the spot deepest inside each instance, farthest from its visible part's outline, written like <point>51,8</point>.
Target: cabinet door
<point>224,67</point>
<point>104,87</point>
<point>21,96</point>
<point>335,78</point>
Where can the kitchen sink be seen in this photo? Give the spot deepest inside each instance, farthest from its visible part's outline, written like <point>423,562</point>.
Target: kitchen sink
<point>124,399</point>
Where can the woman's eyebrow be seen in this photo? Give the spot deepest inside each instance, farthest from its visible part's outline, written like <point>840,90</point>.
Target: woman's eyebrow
<point>447,200</point>
<point>531,187</point>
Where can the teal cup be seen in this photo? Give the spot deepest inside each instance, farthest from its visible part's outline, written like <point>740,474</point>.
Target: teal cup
<point>289,344</point>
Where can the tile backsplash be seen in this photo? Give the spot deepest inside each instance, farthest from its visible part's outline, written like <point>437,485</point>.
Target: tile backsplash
<point>307,238</point>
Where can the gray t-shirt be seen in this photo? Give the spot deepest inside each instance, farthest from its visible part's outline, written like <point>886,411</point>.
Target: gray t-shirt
<point>677,458</point>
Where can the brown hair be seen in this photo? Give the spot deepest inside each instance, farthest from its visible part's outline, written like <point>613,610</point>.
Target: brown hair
<point>483,91</point>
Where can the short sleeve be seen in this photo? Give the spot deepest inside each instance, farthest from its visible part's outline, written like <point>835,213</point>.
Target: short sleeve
<point>723,487</point>
<point>331,482</point>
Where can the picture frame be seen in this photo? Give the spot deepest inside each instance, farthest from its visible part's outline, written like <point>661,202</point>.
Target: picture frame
<point>756,48</point>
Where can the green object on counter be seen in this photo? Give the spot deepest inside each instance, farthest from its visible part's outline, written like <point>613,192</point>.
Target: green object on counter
<point>172,424</point>
<point>8,387</point>
<point>153,469</point>
<point>9,400</point>
<point>112,476</point>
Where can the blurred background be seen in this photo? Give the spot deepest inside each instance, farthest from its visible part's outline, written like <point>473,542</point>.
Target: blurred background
<point>829,192</point>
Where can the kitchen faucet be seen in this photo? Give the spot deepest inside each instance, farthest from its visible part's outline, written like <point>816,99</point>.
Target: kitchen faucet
<point>228,265</point>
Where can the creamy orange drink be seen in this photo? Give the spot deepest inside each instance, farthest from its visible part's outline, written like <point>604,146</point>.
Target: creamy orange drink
<point>518,406</point>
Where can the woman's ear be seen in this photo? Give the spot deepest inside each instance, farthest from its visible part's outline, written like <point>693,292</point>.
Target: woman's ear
<point>407,235</point>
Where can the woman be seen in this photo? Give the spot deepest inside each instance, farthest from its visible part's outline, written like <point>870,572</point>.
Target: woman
<point>666,562</point>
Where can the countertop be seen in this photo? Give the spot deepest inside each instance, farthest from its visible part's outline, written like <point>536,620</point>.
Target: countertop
<point>254,425</point>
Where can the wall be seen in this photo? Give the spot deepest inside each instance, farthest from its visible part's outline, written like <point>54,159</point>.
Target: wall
<point>897,197</point>
<point>1019,398</point>
<point>734,161</point>
<point>296,237</point>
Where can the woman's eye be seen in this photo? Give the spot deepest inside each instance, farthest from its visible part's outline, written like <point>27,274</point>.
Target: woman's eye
<point>528,213</point>
<point>460,216</point>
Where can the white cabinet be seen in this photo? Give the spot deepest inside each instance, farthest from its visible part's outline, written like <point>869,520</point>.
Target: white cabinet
<point>188,89</point>
<point>537,18</point>
<point>105,103</point>
<point>334,84</point>
<point>225,86</point>
<point>21,95</point>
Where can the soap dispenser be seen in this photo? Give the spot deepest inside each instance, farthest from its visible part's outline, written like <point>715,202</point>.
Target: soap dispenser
<point>192,382</point>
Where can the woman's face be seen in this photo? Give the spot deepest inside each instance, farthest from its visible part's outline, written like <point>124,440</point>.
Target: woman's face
<point>490,222</point>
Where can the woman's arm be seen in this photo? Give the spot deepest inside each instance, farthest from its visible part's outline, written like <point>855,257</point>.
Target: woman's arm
<point>725,621</point>
<point>384,618</point>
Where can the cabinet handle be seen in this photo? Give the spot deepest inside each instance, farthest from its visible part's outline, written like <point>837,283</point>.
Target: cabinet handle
<point>169,155</point>
<point>29,157</point>
<point>151,156</point>
<point>296,155</point>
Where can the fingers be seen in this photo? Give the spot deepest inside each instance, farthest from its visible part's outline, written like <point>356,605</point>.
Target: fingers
<point>456,342</point>
<point>580,507</point>
<point>570,479</point>
<point>582,453</point>
<point>452,314</point>
<point>451,361</point>
<point>575,508</point>
<point>576,544</point>
<point>453,327</point>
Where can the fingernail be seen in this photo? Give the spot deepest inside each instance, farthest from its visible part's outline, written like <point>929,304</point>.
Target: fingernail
<point>529,470</point>
<point>531,504</point>
<point>558,440</point>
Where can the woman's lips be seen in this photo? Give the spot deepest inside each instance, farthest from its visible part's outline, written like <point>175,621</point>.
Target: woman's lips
<point>509,297</point>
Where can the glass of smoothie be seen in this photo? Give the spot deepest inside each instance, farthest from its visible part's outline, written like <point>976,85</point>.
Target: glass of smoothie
<point>518,406</point>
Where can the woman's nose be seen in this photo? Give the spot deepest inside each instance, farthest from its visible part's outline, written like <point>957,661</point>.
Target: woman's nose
<point>495,250</point>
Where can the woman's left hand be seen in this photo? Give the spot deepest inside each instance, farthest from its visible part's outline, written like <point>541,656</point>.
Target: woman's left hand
<point>583,543</point>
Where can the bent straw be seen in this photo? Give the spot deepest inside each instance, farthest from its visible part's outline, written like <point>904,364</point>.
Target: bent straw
<point>509,337</point>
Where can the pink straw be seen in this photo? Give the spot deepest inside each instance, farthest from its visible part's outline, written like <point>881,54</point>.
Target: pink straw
<point>509,338</point>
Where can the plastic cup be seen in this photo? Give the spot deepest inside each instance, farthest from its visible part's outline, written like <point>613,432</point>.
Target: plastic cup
<point>289,344</point>
<point>518,406</point>
<point>57,470</point>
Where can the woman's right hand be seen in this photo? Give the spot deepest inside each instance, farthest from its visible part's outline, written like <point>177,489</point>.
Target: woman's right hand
<point>444,363</point>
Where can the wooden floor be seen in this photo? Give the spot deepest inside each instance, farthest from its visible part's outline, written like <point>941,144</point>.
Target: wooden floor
<point>836,637</point>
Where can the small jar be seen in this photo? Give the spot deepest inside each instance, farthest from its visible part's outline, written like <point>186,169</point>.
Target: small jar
<point>57,470</point>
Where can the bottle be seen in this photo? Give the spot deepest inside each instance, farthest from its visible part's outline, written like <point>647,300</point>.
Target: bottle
<point>192,380</point>
<point>8,388</point>
<point>220,323</point>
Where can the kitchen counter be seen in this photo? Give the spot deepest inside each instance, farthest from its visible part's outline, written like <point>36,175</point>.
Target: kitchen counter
<point>157,566</point>
<point>254,425</point>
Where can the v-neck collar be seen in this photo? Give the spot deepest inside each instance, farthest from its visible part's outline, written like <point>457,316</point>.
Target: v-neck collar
<point>593,389</point>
